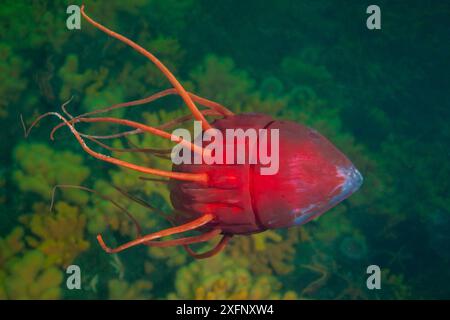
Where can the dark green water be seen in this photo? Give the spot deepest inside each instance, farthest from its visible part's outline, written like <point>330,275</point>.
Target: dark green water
<point>381,96</point>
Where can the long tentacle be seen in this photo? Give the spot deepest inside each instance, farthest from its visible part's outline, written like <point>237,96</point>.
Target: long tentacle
<point>144,128</point>
<point>117,205</point>
<point>203,101</point>
<point>219,247</point>
<point>206,218</point>
<point>185,241</point>
<point>164,126</point>
<point>185,118</point>
<point>180,89</point>
<point>154,179</point>
<point>144,204</point>
<point>196,177</point>
<point>63,107</point>
<point>162,153</point>
<point>212,104</point>
<point>168,243</point>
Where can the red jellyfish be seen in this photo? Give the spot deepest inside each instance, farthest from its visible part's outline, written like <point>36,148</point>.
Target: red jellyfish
<point>230,199</point>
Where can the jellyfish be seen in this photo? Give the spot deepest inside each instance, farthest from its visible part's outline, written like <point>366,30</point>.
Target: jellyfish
<point>221,199</point>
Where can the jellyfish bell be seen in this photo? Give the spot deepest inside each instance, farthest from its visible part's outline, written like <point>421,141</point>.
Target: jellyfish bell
<point>314,176</point>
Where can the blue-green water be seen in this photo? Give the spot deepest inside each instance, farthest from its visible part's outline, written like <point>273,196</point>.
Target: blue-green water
<point>381,96</point>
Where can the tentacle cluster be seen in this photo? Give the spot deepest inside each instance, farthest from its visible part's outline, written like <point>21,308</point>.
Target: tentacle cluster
<point>213,109</point>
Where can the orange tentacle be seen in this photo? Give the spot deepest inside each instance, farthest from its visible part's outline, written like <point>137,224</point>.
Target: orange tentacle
<point>161,153</point>
<point>185,241</point>
<point>156,235</point>
<point>117,205</point>
<point>181,91</point>
<point>212,105</point>
<point>144,128</point>
<point>219,247</point>
<point>196,177</point>
<point>185,118</point>
<point>203,101</point>
<point>166,125</point>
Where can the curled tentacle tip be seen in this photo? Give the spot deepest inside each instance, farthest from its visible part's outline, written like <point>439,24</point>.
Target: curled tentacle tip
<point>52,136</point>
<point>103,245</point>
<point>25,132</point>
<point>53,197</point>
<point>51,207</point>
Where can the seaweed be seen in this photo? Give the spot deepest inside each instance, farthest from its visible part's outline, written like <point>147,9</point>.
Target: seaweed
<point>374,98</point>
<point>221,278</point>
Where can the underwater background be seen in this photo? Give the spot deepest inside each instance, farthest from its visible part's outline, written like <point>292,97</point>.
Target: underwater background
<point>381,96</point>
